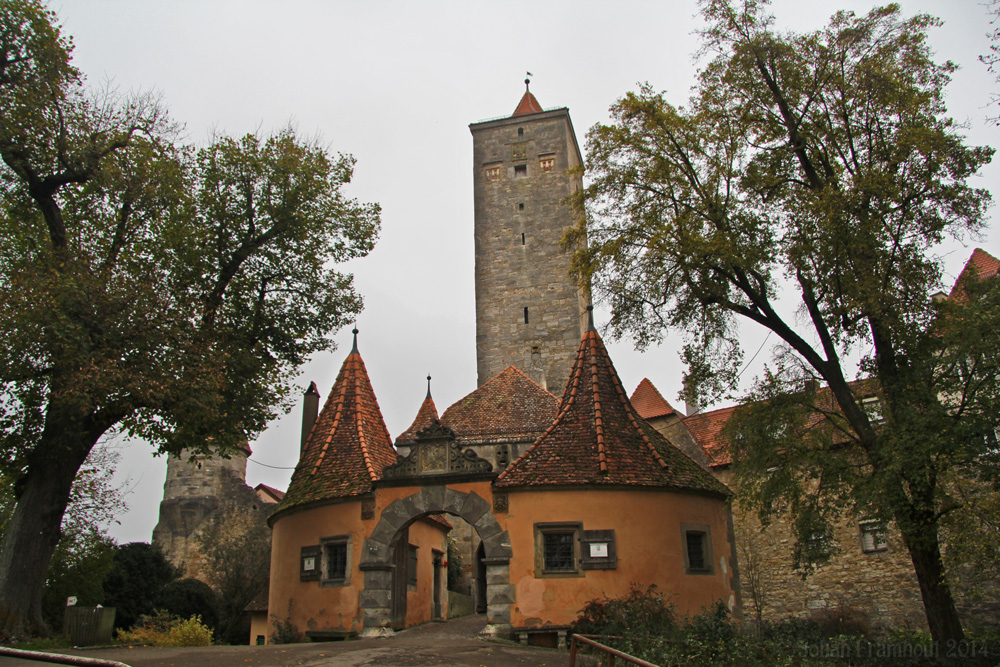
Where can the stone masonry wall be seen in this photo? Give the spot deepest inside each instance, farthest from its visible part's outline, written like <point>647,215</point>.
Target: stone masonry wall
<point>191,495</point>
<point>878,589</point>
<point>521,185</point>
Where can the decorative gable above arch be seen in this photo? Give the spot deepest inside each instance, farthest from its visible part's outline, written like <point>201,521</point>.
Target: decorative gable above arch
<point>435,453</point>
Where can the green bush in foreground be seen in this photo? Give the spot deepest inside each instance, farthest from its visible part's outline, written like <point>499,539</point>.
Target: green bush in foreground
<point>644,624</point>
<point>163,629</point>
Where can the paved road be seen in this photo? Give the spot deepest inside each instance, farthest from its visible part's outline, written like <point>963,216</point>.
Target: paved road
<point>453,643</point>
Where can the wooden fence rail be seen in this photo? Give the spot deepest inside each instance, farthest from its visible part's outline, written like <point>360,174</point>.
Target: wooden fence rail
<point>58,658</point>
<point>612,653</point>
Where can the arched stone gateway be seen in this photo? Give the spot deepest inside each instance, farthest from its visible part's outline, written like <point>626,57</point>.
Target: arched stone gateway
<point>376,561</point>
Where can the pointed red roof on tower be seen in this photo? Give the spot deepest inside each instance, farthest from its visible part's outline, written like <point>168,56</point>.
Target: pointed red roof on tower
<point>510,405</point>
<point>980,266</point>
<point>349,444</point>
<point>426,416</point>
<point>528,103</point>
<point>649,403</point>
<point>599,439</point>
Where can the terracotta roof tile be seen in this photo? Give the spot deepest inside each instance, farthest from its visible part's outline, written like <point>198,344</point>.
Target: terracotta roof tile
<point>706,429</point>
<point>527,105</point>
<point>648,402</point>
<point>426,415</point>
<point>599,439</point>
<point>981,265</point>
<point>511,405</point>
<point>348,446</point>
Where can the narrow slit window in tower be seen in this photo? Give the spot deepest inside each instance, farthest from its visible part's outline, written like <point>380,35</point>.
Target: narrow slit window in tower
<point>520,132</point>
<point>525,314</point>
<point>522,238</point>
<point>520,206</point>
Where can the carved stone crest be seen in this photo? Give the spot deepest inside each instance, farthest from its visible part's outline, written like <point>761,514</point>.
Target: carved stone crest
<point>435,452</point>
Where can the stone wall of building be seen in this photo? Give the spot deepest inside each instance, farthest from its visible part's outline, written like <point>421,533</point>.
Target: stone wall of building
<point>194,490</point>
<point>529,311</point>
<point>877,589</point>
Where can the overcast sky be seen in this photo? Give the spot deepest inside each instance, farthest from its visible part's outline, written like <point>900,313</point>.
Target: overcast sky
<point>396,84</point>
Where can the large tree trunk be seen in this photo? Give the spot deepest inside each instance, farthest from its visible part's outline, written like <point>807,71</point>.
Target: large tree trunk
<point>939,605</point>
<point>34,528</point>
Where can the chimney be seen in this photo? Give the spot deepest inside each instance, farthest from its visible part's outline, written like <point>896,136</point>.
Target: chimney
<point>310,408</point>
<point>691,406</point>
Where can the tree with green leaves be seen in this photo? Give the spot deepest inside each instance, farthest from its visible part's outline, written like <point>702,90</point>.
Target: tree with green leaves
<point>236,551</point>
<point>136,582</point>
<point>804,189</point>
<point>146,288</point>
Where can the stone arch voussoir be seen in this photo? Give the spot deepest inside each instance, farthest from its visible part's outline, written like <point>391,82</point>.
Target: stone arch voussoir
<point>376,559</point>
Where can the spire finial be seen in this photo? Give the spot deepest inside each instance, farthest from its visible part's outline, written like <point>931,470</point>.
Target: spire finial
<point>590,318</point>
<point>527,84</point>
<point>428,385</point>
<point>355,332</point>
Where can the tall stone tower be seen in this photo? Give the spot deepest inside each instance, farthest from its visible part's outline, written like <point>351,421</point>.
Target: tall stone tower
<point>529,311</point>
<point>195,488</point>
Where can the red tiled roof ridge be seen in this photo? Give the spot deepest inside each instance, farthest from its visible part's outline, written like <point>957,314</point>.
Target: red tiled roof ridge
<point>426,414</point>
<point>271,489</point>
<point>508,403</point>
<point>598,438</point>
<point>372,471</point>
<point>649,402</point>
<point>981,265</point>
<point>341,388</point>
<point>527,105</point>
<point>517,370</point>
<point>349,444</point>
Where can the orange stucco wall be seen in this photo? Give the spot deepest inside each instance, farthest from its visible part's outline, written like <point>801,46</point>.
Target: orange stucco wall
<point>311,606</point>
<point>648,541</point>
<point>419,598</point>
<point>305,603</point>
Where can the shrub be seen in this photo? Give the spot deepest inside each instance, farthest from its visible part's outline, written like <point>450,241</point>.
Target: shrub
<point>285,632</point>
<point>163,629</point>
<point>185,598</point>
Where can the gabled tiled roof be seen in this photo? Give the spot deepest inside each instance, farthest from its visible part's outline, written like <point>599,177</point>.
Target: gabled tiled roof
<point>980,266</point>
<point>349,444</point>
<point>599,439</point>
<point>270,491</point>
<point>706,429</point>
<point>511,405</point>
<point>426,415</point>
<point>528,104</point>
<point>648,402</point>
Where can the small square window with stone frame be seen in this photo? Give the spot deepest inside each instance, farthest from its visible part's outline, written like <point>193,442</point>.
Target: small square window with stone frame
<point>336,567</point>
<point>557,549</point>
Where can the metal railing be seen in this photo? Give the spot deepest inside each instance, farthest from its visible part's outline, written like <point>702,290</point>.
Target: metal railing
<point>58,658</point>
<point>612,654</point>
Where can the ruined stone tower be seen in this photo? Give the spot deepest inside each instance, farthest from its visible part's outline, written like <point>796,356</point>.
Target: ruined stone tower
<point>195,488</point>
<point>529,311</point>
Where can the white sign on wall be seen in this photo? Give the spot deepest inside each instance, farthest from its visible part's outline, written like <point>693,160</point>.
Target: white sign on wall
<point>598,549</point>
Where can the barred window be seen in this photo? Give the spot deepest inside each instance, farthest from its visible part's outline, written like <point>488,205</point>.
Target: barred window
<point>559,551</point>
<point>696,541</point>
